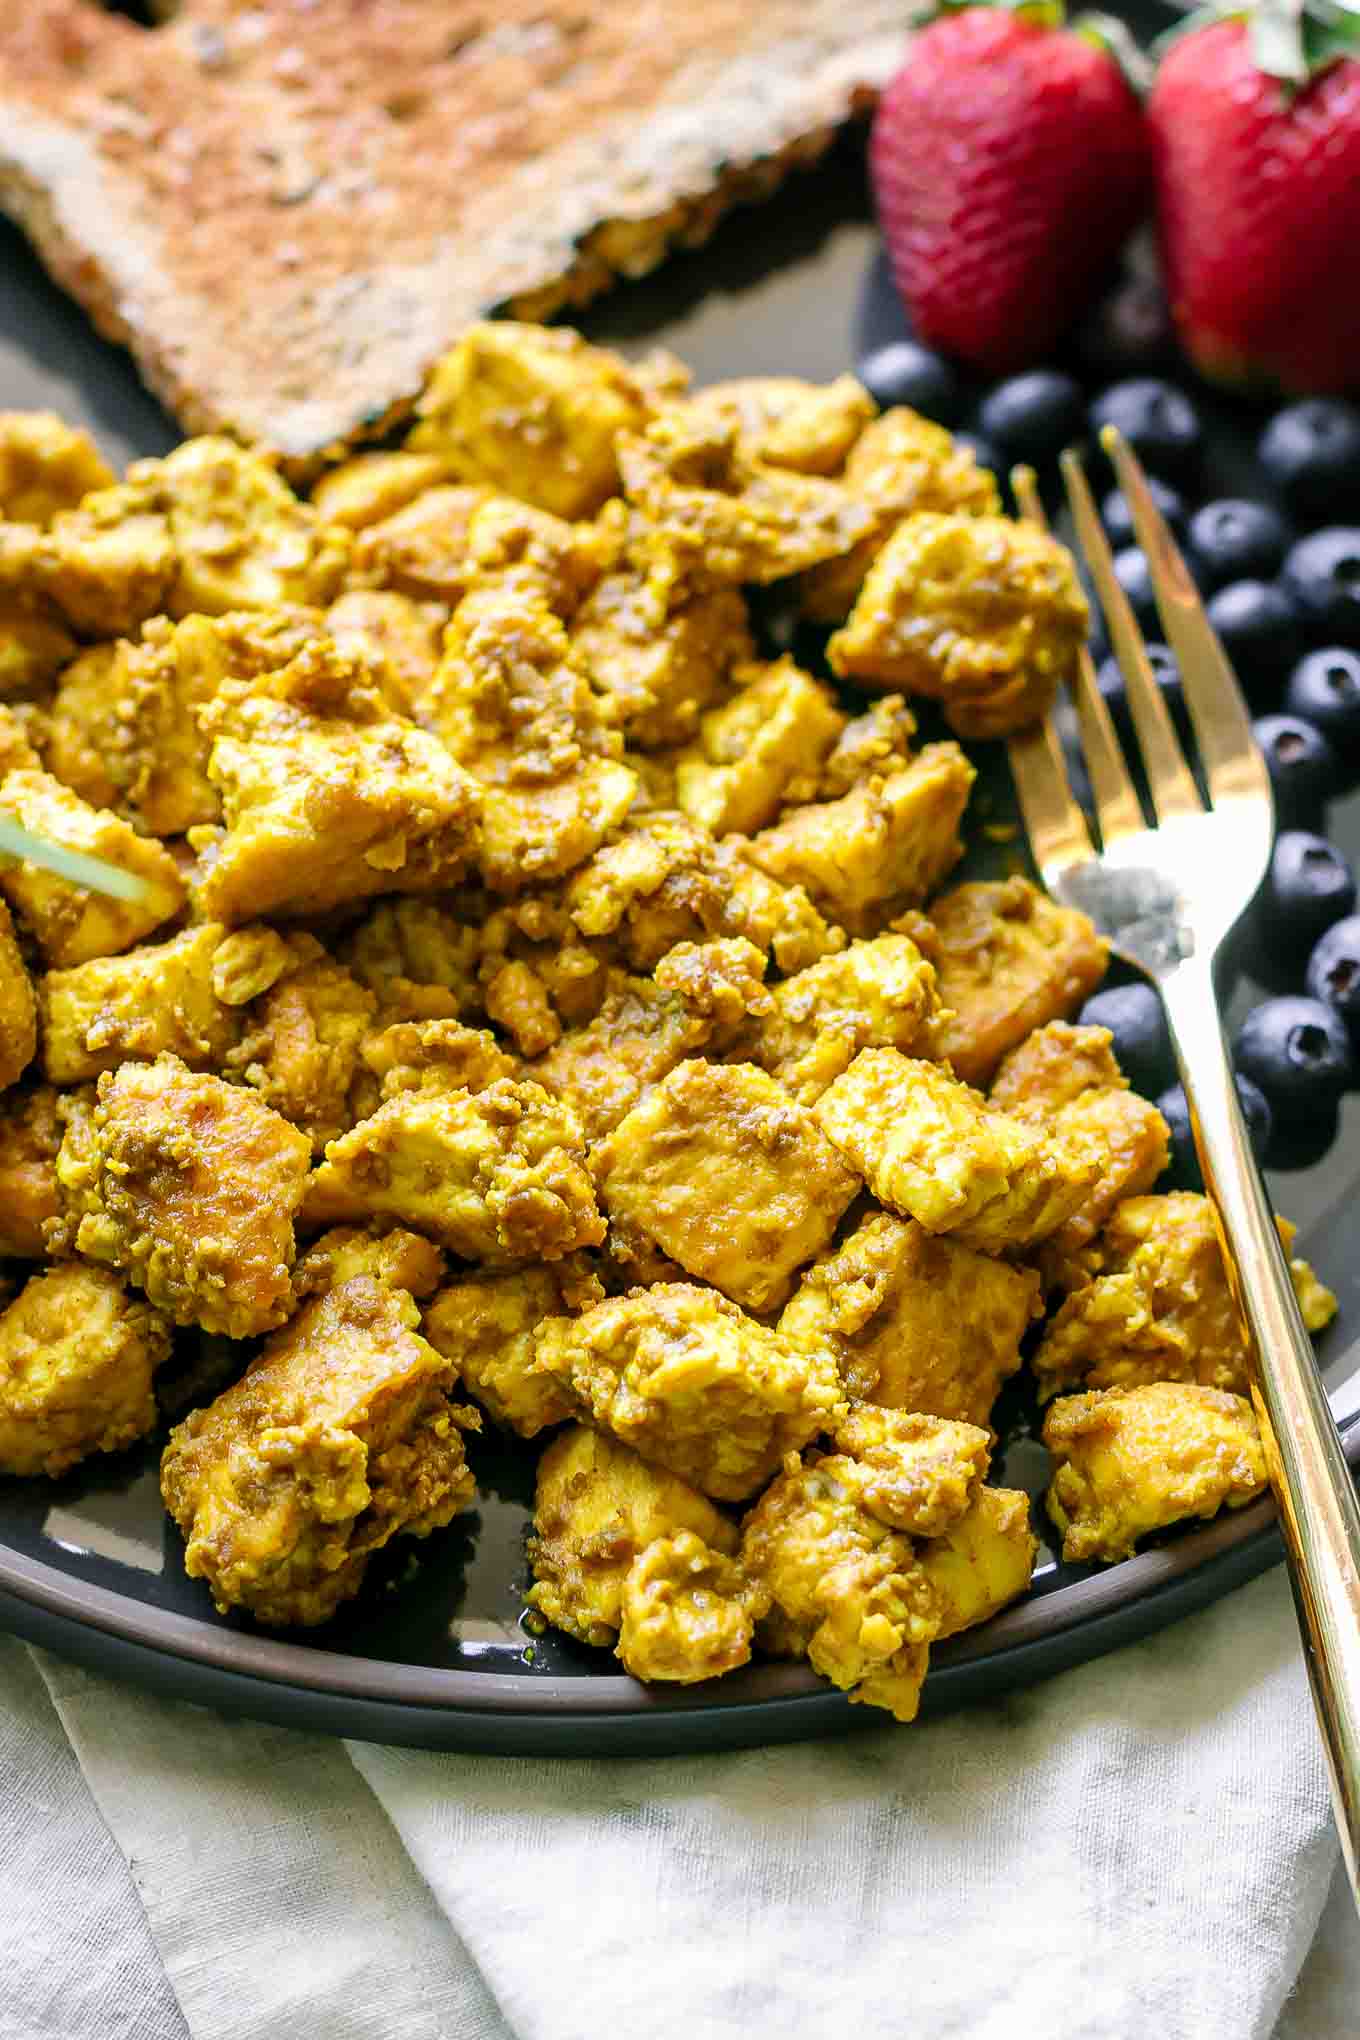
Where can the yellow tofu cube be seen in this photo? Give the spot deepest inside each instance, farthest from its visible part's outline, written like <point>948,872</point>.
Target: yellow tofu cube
<point>46,465</point>
<point>77,1354</point>
<point>300,1051</point>
<point>809,427</point>
<point>116,1009</point>
<point>687,1612</point>
<point>30,1136</point>
<point>487,1325</point>
<point>660,661</point>
<point>982,1561</point>
<point>878,994</point>
<point>371,486</point>
<point>772,735</point>
<point>70,923</point>
<point>18,1007</point>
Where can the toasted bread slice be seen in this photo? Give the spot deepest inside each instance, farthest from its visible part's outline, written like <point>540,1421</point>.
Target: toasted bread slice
<point>288,211</point>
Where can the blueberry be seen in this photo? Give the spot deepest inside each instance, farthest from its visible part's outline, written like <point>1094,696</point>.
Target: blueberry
<point>1298,1051</point>
<point>1308,886</point>
<point>1117,518</point>
<point>1158,421</point>
<point>1259,626</point>
<point>1302,767</point>
<point>1165,672</point>
<point>1234,540</point>
<point>1311,454</point>
<point>1322,572</point>
<point>1129,330</point>
<point>1324,689</point>
<point>904,372</point>
<point>1175,1110</point>
<point>1333,973</point>
<point>1299,1143</point>
<point>1131,572</point>
<point>1142,1046</point>
<point>1033,417</point>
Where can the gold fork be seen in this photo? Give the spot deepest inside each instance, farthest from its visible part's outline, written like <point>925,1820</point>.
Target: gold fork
<point>1167,896</point>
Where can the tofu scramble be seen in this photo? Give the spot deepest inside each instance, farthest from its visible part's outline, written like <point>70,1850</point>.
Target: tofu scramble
<point>539,1009</point>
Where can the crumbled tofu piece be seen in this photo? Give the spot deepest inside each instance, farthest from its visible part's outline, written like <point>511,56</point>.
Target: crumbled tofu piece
<point>729,1175</point>
<point>18,1007</point>
<point>915,1322</point>
<point>441,1055</point>
<point>772,735</point>
<point>30,1135</point>
<point>809,427</point>
<point>83,722</point>
<point>598,1507</point>
<point>1009,960</point>
<point>46,465</point>
<point>1066,1078</point>
<point>116,1009</point>
<point>34,647</point>
<point>687,1612</point>
<point>878,994</point>
<point>931,1149</point>
<point>421,550</point>
<point>371,486</point>
<point>1152,1303</point>
<point>983,614</point>
<point>300,1051</point>
<point>70,923</point>
<point>1133,1460</point>
<point>900,464</point>
<point>495,1176</point>
<point>915,1472</point>
<point>77,1354</point>
<point>338,1437</point>
<point>873,745</point>
<point>881,847</point>
<point>401,945</point>
<point>689,1381</point>
<point>486,1325</point>
<point>659,661</point>
<point>191,1186</point>
<point>401,1260</point>
<point>532,410</point>
<point>727,516</point>
<point>982,1561</point>
<point>327,796</point>
<point>522,720</point>
<point>397,637</point>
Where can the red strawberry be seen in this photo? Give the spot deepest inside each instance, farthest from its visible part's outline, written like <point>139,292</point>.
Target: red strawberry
<point>1010,162</point>
<point>1258,193</point>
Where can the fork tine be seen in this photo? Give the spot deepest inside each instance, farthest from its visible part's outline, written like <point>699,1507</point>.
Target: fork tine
<point>1169,777</point>
<point>1232,762</point>
<point>1054,823</point>
<point>1117,808</point>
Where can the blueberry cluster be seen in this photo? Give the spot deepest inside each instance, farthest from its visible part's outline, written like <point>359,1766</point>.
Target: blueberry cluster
<point>1280,574</point>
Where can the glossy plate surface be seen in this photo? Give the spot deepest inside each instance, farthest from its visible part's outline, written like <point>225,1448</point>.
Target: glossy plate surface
<point>433,1653</point>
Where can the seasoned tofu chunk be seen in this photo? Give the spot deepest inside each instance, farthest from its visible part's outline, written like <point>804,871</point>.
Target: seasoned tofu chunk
<point>931,1149</point>
<point>727,516</point>
<point>809,427</point>
<point>339,1436</point>
<point>77,1354</point>
<point>422,549</point>
<point>771,737</point>
<point>1133,1460</point>
<point>659,657</point>
<point>394,635</point>
<point>190,1185</point>
<point>46,465</point>
<point>729,1175</point>
<point>1009,960</point>
<point>916,1472</point>
<point>915,1322</point>
<point>687,1380</point>
<point>403,947</point>
<point>133,1007</point>
<point>496,1176</point>
<point>687,1612</point>
<point>532,410</point>
<point>1066,1078</point>
<point>107,564</point>
<point>18,1007</point>
<point>327,796</point>
<point>879,848</point>
<point>520,718</point>
<point>440,1055</point>
<point>598,1507</point>
<point>30,1135</point>
<point>402,1260</point>
<point>70,923</point>
<point>878,994</point>
<point>371,486</point>
<point>34,646</point>
<point>1152,1303</point>
<point>982,614</point>
<point>300,1049</point>
<point>982,1561</point>
<point>83,722</point>
<point>487,1324</point>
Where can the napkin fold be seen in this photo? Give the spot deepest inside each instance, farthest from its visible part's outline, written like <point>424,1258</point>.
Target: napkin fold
<point>1142,1844</point>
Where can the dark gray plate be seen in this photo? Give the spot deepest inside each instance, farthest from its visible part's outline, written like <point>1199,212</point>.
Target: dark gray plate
<point>433,1652</point>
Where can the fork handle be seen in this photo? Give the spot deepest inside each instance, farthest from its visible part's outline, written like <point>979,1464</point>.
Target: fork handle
<point>1319,1514</point>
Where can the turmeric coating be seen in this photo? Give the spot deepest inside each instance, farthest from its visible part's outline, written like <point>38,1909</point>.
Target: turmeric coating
<point>541,998</point>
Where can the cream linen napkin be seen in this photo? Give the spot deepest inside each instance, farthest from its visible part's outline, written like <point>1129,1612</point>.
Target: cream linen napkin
<point>1139,1846</point>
